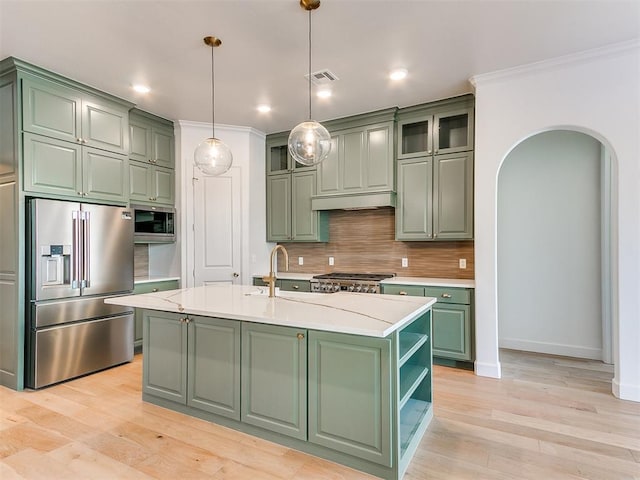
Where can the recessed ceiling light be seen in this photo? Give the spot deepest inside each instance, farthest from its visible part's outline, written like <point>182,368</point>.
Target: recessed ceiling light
<point>141,88</point>
<point>398,74</point>
<point>324,93</point>
<point>264,108</point>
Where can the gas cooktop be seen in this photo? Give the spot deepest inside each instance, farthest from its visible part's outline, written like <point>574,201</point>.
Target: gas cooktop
<point>370,277</point>
<point>348,282</point>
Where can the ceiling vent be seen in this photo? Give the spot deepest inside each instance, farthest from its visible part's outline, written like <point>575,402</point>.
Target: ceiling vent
<point>322,77</point>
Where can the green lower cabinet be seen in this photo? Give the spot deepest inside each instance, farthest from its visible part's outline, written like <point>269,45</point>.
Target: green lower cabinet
<point>452,331</point>
<point>213,380</point>
<point>294,285</point>
<point>147,287</point>
<point>274,378</point>
<point>350,407</point>
<point>164,349</point>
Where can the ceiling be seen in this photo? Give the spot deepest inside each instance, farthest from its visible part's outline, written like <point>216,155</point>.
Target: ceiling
<point>112,44</point>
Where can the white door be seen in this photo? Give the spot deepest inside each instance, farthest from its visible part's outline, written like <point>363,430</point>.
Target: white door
<point>216,228</point>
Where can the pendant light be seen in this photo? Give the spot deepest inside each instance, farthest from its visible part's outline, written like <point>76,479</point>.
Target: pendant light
<point>212,156</point>
<point>309,142</point>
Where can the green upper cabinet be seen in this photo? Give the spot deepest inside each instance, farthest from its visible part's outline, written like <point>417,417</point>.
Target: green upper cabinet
<point>151,139</point>
<point>66,169</point>
<point>274,378</point>
<point>435,171</point>
<point>436,128</point>
<point>360,161</point>
<point>289,214</point>
<point>60,111</point>
<point>278,158</point>
<point>150,184</point>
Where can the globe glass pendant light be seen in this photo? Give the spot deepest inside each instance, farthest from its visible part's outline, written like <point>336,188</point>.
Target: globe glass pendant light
<point>309,142</point>
<point>212,156</point>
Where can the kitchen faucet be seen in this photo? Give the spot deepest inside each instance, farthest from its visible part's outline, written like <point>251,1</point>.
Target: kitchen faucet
<point>272,276</point>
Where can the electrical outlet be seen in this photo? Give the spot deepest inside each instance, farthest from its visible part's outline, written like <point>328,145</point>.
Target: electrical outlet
<point>331,261</point>
<point>300,260</point>
<point>405,262</point>
<point>462,263</point>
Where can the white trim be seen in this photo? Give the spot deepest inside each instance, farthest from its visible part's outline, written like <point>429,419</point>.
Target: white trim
<point>555,63</point>
<point>492,370</point>
<point>551,348</point>
<point>605,259</point>
<point>626,392</point>
<point>222,126</point>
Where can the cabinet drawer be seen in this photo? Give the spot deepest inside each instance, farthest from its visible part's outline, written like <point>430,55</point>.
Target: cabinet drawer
<point>449,295</point>
<point>411,290</point>
<point>295,285</point>
<point>150,287</point>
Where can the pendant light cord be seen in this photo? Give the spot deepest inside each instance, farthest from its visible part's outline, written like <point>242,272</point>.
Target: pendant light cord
<point>309,64</point>
<point>213,98</point>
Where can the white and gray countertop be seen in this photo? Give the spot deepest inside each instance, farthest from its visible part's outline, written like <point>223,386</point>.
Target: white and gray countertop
<point>353,313</point>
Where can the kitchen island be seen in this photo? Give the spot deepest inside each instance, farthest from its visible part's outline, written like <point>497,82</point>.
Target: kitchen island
<point>346,376</point>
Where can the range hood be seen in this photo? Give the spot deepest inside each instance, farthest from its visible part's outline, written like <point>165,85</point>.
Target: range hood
<point>356,201</point>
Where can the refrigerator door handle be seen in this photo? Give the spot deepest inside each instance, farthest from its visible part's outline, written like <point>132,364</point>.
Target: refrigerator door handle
<point>75,264</point>
<point>86,257</point>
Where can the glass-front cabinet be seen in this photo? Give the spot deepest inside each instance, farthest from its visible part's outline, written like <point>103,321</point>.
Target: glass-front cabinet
<point>278,158</point>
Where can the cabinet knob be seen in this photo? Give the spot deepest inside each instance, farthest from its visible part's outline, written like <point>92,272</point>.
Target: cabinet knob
<point>402,293</point>
<point>300,336</point>
<point>295,287</point>
<point>154,290</point>
<point>79,193</point>
<point>445,295</point>
<point>79,140</point>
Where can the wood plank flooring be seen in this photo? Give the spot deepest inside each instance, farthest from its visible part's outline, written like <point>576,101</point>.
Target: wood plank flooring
<point>547,418</point>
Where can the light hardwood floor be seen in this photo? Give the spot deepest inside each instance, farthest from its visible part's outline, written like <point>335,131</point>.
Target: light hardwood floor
<point>548,418</point>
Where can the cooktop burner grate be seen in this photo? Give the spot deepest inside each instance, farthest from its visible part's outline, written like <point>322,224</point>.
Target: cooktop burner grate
<point>361,277</point>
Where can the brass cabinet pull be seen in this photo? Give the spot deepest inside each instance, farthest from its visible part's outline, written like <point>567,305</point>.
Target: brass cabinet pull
<point>446,295</point>
<point>300,336</point>
<point>154,290</point>
<point>295,287</point>
<point>402,293</point>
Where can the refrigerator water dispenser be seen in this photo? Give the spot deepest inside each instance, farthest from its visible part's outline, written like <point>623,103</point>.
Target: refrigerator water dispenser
<point>55,262</point>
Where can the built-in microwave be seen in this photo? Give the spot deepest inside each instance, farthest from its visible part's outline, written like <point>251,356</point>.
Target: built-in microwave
<point>154,224</point>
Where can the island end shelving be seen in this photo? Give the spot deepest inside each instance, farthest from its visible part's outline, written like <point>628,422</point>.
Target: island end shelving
<point>275,368</point>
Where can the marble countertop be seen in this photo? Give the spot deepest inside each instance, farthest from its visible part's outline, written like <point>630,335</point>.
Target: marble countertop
<point>430,282</point>
<point>354,313</point>
<point>154,278</point>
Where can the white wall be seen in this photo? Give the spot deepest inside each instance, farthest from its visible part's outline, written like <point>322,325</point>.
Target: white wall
<point>549,279</point>
<point>248,148</point>
<point>597,93</point>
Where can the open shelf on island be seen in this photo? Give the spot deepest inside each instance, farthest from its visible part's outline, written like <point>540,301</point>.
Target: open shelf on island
<point>410,378</point>
<point>410,342</point>
<point>411,416</point>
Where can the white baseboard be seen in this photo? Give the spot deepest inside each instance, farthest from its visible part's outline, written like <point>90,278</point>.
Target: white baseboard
<point>625,391</point>
<point>492,370</point>
<point>551,348</point>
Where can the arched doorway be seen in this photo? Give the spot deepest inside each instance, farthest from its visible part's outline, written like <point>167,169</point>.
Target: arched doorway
<point>553,249</point>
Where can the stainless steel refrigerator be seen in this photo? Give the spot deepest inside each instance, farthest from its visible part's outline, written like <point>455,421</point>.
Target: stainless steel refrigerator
<point>78,255</point>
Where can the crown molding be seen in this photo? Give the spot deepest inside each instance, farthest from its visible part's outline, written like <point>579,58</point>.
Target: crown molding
<point>557,62</point>
<point>220,126</point>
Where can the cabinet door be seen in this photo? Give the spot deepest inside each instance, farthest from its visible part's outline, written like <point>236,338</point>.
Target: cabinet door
<point>163,147</point>
<point>453,131</point>
<point>163,180</point>
<point>295,285</point>
<point>415,137</point>
<point>350,408</point>
<point>278,158</point>
<point>140,177</point>
<point>414,208</point>
<point>453,196</point>
<point>51,109</point>
<point>214,366</point>
<point>279,207</point>
<point>274,378</point>
<point>379,157</point>
<point>148,287</point>
<point>105,125</point>
<point>52,166</point>
<point>164,348</point>
<point>329,169</point>
<point>304,221</point>
<point>139,141</point>
<point>352,160</point>
<point>105,175</point>
<point>451,331</point>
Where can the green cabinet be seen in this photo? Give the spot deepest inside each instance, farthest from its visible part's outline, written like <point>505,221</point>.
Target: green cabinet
<point>350,408</point>
<point>274,379</point>
<point>193,361</point>
<point>62,168</point>
<point>59,111</point>
<point>435,198</point>
<point>452,318</point>
<point>151,139</point>
<point>360,161</point>
<point>286,285</point>
<point>151,184</point>
<point>147,287</point>
<point>435,171</point>
<point>289,192</point>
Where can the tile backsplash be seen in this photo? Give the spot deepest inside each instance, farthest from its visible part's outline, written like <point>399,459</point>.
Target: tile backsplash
<point>140,260</point>
<point>364,241</point>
